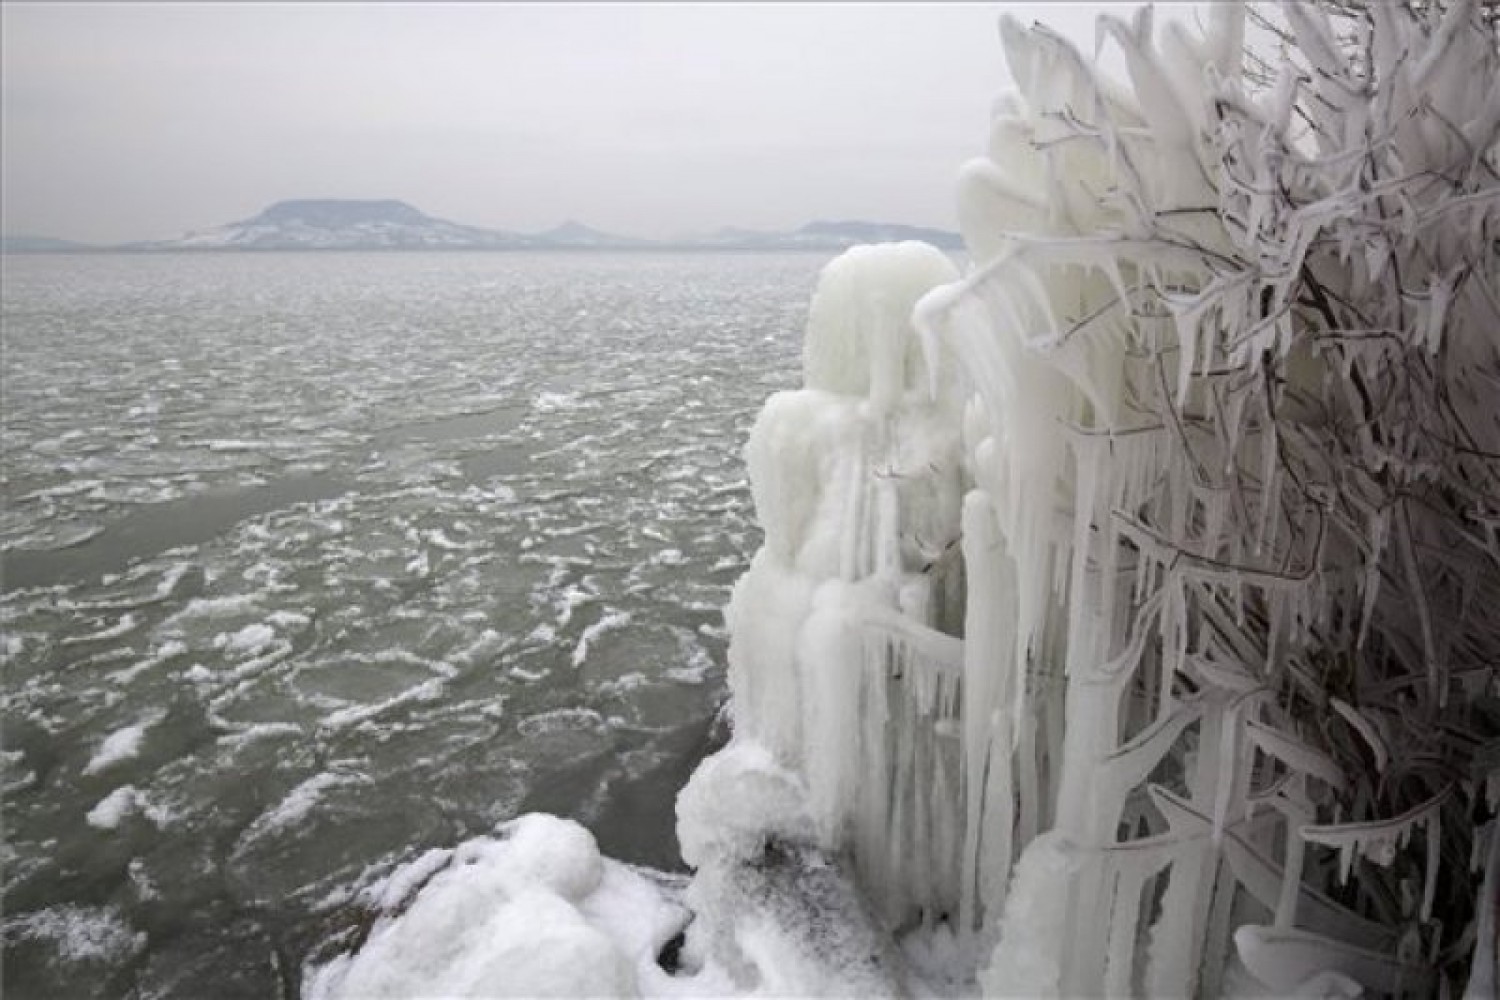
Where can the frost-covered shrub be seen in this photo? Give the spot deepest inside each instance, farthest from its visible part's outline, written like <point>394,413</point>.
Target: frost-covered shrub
<point>1236,449</point>
<point>1139,633</point>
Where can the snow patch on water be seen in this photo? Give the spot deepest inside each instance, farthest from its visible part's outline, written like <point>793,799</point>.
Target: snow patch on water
<point>55,539</point>
<point>247,641</point>
<point>428,690</point>
<point>552,402</point>
<point>126,801</point>
<point>198,674</point>
<point>299,802</point>
<point>561,720</point>
<point>171,577</point>
<point>113,808</point>
<point>126,624</point>
<point>214,607</point>
<point>169,649</point>
<point>122,744</point>
<point>608,622</point>
<point>244,735</point>
<point>80,933</point>
<point>15,780</point>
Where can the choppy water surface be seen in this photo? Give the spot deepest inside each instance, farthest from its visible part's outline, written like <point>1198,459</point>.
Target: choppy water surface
<point>312,562</point>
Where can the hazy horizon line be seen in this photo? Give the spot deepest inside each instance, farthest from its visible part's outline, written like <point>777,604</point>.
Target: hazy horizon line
<point>572,220</point>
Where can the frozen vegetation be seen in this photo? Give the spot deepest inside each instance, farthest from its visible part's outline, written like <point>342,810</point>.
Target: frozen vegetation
<point>1124,621</point>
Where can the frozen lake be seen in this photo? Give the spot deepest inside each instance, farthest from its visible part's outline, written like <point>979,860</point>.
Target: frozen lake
<point>315,561</point>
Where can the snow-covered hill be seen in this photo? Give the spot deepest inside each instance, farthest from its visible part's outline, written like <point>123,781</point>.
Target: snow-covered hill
<point>342,224</point>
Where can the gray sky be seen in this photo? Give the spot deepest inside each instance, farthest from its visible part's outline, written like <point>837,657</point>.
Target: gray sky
<point>136,121</point>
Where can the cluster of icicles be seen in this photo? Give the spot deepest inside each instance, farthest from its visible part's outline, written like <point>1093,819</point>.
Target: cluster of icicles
<point>1104,617</point>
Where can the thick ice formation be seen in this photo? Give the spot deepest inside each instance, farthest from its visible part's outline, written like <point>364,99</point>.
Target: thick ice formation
<point>846,662</point>
<point>839,625</point>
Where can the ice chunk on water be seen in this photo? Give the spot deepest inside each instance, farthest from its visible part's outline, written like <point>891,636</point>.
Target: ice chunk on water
<point>80,933</point>
<point>113,808</point>
<point>247,641</point>
<point>551,402</point>
<point>608,622</point>
<point>298,803</point>
<point>122,744</point>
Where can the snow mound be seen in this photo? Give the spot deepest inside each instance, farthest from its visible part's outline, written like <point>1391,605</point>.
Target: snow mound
<point>534,911</point>
<point>734,802</point>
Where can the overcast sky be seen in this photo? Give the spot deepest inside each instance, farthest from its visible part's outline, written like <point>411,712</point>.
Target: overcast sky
<point>136,121</point>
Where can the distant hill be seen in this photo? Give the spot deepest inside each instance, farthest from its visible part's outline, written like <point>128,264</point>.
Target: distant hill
<point>340,224</point>
<point>40,244</point>
<point>576,234</point>
<point>387,224</point>
<point>824,236</point>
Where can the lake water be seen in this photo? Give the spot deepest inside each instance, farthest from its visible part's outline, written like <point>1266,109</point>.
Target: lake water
<point>314,561</point>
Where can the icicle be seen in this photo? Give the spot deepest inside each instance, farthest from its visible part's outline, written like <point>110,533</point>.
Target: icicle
<point>1229,766</point>
<point>1376,840</point>
<point>1440,294</point>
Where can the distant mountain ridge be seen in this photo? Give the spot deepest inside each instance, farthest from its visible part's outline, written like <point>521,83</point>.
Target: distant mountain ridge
<point>40,244</point>
<point>576,234</point>
<point>881,232</point>
<point>389,224</point>
<point>822,235</point>
<point>339,224</point>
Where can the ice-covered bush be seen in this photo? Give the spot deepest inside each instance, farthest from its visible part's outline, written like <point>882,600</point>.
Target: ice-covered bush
<point>1162,583</point>
<point>1237,353</point>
